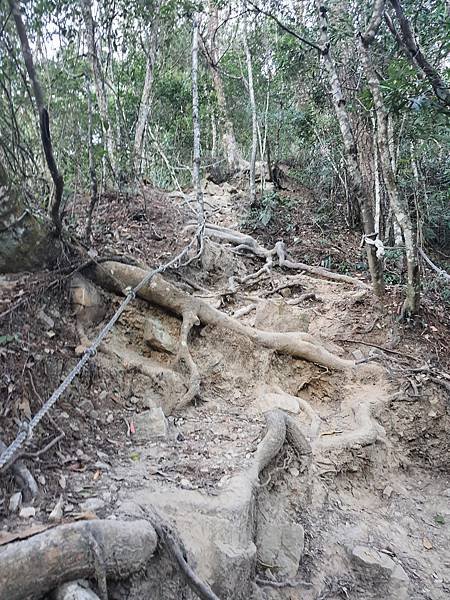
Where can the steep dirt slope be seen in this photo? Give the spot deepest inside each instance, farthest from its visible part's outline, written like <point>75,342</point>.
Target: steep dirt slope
<point>353,500</point>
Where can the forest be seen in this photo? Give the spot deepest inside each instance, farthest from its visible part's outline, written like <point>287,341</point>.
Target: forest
<point>224,299</point>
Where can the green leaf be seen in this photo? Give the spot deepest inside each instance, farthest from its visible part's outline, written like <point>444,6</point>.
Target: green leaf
<point>6,339</point>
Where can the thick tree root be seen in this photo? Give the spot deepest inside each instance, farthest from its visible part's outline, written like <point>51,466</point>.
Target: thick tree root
<point>190,319</point>
<point>245,243</point>
<point>85,550</point>
<point>163,293</point>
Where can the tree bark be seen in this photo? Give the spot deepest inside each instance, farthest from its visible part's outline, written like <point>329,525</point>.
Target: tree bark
<point>351,153</point>
<point>145,103</point>
<point>99,84</point>
<point>440,87</point>
<point>411,304</point>
<point>44,123</point>
<point>251,93</point>
<point>196,127</point>
<point>229,144</point>
<point>85,550</point>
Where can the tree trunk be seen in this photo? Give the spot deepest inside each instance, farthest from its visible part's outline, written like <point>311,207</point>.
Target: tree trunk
<point>44,124</point>
<point>339,103</point>
<point>92,168</point>
<point>99,84</point>
<point>196,125</point>
<point>411,304</point>
<point>251,93</point>
<point>229,144</point>
<point>94,549</point>
<point>440,87</point>
<point>145,104</point>
<point>27,240</point>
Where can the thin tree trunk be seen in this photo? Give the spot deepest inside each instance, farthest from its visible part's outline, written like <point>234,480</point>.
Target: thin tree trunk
<point>145,103</point>
<point>229,144</point>
<point>251,93</point>
<point>92,169</point>
<point>440,87</point>
<point>339,104</point>
<point>196,125</point>
<point>411,304</point>
<point>44,123</point>
<point>99,84</point>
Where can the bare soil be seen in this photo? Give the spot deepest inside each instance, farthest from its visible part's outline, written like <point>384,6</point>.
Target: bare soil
<point>392,495</point>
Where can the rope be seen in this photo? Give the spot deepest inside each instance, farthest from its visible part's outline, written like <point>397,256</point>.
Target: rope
<point>26,431</point>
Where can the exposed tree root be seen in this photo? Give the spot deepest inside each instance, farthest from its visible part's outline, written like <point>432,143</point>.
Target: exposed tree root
<point>190,319</point>
<point>35,566</point>
<point>168,538</point>
<point>368,431</point>
<point>163,293</point>
<point>23,477</point>
<point>246,243</point>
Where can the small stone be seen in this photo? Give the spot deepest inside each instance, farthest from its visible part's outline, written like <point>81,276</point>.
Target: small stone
<point>110,418</point>
<point>46,320</point>
<point>27,512</point>
<point>446,493</point>
<point>102,466</point>
<point>358,355</point>
<point>157,337</point>
<point>62,482</point>
<point>103,395</point>
<point>86,406</point>
<point>69,508</point>
<point>57,512</point>
<point>15,502</point>
<point>294,472</point>
<point>150,424</point>
<point>92,505</point>
<point>387,492</point>
<point>286,292</point>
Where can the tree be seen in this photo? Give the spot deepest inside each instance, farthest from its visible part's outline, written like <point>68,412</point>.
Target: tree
<point>351,152</point>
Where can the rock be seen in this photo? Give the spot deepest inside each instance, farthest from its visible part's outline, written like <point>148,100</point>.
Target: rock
<point>75,590</point>
<point>269,400</point>
<point>86,406</point>
<point>157,337</point>
<point>149,425</point>
<point>92,505</point>
<point>86,300</point>
<point>46,320</point>
<point>57,512</point>
<point>358,355</point>
<point>27,512</point>
<point>15,502</point>
<point>377,565</point>
<point>280,544</point>
<point>272,315</point>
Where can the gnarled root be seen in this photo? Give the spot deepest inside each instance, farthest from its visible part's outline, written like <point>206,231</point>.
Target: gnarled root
<point>280,427</point>
<point>190,319</point>
<point>163,293</point>
<point>23,477</point>
<point>249,244</point>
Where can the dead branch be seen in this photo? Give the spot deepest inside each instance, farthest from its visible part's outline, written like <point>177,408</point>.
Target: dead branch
<point>33,567</point>
<point>383,348</point>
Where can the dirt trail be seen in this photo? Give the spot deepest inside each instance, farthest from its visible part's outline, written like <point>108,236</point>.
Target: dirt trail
<point>353,516</point>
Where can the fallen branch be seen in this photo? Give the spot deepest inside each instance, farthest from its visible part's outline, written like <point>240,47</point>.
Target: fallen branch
<point>435,268</point>
<point>383,348</point>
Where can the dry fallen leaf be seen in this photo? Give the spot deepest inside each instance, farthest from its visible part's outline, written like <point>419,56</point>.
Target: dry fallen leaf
<point>427,544</point>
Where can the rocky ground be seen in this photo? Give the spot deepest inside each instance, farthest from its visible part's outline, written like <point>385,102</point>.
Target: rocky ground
<point>365,513</point>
